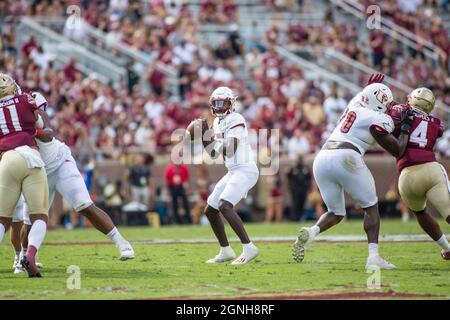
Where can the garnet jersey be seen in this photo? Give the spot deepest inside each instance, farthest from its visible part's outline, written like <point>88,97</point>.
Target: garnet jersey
<point>17,122</point>
<point>355,123</point>
<point>425,130</point>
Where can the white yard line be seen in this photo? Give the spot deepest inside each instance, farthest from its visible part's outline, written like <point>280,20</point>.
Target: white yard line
<point>323,238</point>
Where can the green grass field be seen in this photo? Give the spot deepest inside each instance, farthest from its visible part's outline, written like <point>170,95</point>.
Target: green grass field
<point>177,270</point>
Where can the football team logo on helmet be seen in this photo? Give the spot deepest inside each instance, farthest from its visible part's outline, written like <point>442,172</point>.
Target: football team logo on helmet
<point>377,97</point>
<point>222,102</point>
<point>381,96</point>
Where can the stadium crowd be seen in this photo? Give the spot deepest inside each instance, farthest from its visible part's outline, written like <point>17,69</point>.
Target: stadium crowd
<point>101,121</point>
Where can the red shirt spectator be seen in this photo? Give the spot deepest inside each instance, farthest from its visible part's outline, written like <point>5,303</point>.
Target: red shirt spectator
<point>29,46</point>
<point>70,70</point>
<point>176,175</point>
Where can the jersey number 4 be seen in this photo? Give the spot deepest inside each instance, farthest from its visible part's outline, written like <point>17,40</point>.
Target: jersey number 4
<point>419,135</point>
<point>348,122</point>
<point>14,119</point>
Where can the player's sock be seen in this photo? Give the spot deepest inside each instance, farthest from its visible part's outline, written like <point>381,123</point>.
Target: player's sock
<point>115,236</point>
<point>18,254</point>
<point>226,249</point>
<point>373,249</point>
<point>2,232</point>
<point>248,246</point>
<point>315,229</point>
<point>443,243</point>
<point>37,234</point>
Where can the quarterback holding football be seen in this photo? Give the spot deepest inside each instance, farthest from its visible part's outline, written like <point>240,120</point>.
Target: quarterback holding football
<point>229,139</point>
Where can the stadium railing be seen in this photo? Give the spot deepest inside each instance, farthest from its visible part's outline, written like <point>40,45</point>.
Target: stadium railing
<point>117,52</point>
<point>335,66</point>
<point>394,31</point>
<point>351,69</point>
<point>312,70</point>
<point>63,49</point>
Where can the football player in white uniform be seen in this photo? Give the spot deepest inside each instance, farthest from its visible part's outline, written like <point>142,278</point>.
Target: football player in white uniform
<point>340,167</point>
<point>63,176</point>
<point>231,142</point>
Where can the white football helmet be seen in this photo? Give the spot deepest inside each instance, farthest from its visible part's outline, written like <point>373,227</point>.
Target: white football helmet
<point>222,102</point>
<point>377,97</point>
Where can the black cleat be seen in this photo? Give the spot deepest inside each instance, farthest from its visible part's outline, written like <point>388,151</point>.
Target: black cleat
<point>30,267</point>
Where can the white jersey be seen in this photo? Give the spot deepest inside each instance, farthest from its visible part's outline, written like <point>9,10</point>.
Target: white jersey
<point>234,125</point>
<point>54,154</point>
<point>355,123</point>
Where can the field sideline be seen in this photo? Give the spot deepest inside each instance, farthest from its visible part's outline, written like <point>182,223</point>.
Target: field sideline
<point>177,270</point>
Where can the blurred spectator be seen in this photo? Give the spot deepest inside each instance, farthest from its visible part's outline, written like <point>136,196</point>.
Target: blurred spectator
<point>334,106</point>
<point>256,38</point>
<point>29,45</point>
<point>377,43</point>
<point>235,40</point>
<point>41,58</point>
<point>138,177</point>
<point>177,177</point>
<point>202,187</point>
<point>315,200</point>
<point>298,145</point>
<point>113,201</point>
<point>313,112</point>
<point>299,179</point>
<point>70,70</point>
<point>274,208</point>
<point>443,145</point>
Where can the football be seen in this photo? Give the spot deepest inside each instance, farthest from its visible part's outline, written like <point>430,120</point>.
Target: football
<point>194,129</point>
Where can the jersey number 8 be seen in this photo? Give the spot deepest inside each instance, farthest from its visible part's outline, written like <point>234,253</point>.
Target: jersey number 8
<point>349,119</point>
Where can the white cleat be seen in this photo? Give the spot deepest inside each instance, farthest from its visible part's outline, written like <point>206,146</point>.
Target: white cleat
<point>17,266</point>
<point>247,255</point>
<point>223,256</point>
<point>305,236</point>
<point>126,251</point>
<point>18,270</point>
<point>377,263</point>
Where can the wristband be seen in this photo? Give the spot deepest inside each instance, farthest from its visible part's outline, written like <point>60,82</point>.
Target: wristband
<point>39,133</point>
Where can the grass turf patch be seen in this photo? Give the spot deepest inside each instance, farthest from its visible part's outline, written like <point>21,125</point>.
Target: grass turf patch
<point>179,271</point>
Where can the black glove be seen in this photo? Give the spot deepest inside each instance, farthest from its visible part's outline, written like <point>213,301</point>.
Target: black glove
<point>407,118</point>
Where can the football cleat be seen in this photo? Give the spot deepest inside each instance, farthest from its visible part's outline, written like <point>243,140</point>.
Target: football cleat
<point>305,236</point>
<point>126,251</point>
<point>17,266</point>
<point>445,254</point>
<point>223,256</point>
<point>30,266</point>
<point>377,263</point>
<point>247,255</point>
